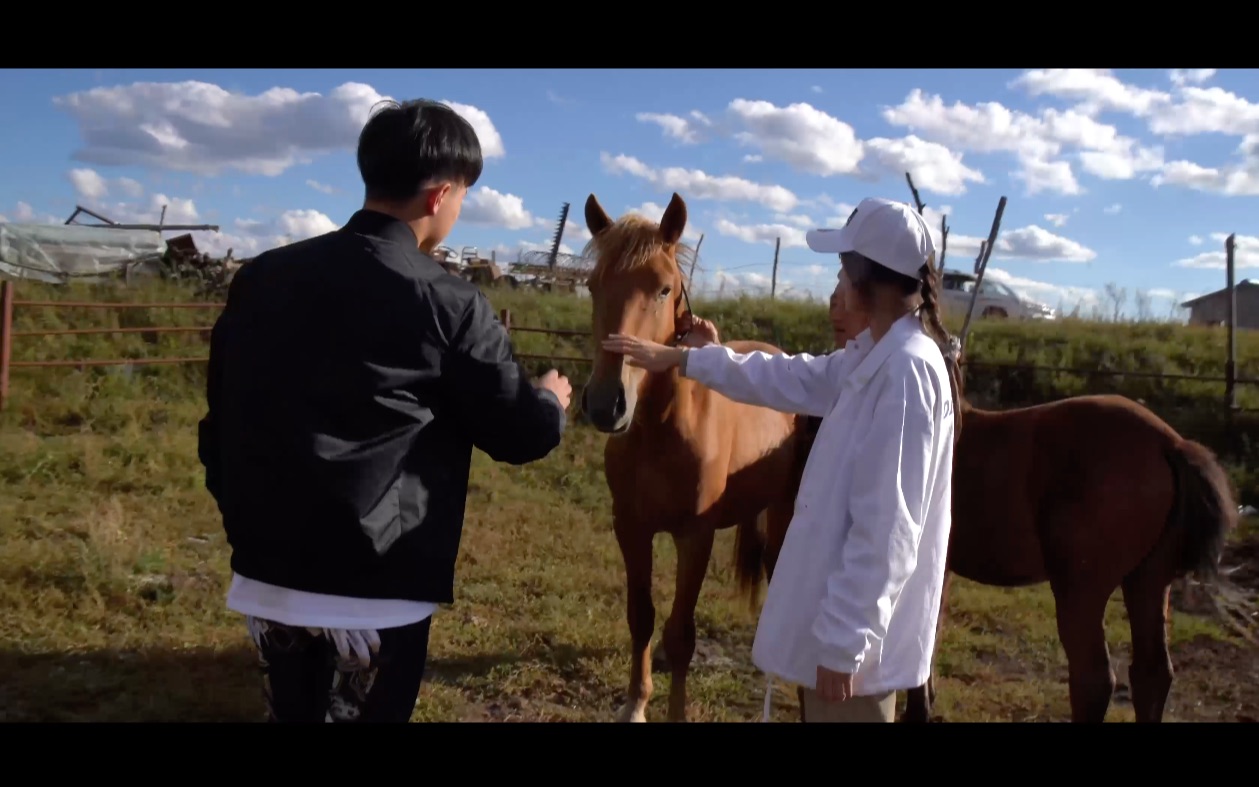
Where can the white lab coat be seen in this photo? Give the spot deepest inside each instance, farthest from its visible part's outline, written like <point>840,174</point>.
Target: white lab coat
<point>858,583</point>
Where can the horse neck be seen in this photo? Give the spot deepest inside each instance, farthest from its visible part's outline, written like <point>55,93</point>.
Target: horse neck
<point>665,405</point>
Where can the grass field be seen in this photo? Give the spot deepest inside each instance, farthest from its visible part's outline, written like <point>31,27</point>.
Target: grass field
<point>113,567</point>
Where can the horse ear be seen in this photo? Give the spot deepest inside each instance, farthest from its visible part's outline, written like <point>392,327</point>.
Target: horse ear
<point>674,220</point>
<point>596,217</point>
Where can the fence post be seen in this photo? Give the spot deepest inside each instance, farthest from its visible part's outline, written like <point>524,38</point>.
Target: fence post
<point>1230,365</point>
<point>504,316</point>
<point>6,338</point>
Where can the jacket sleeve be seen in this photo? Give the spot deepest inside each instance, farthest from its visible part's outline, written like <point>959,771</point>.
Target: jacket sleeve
<point>492,397</point>
<point>805,384</point>
<point>887,503</point>
<point>207,429</point>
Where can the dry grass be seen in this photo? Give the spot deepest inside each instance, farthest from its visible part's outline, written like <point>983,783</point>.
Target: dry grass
<point>113,571</point>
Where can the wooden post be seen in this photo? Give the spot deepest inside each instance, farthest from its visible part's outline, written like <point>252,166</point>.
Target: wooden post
<point>981,264</point>
<point>914,190</point>
<point>504,316</point>
<point>1230,365</point>
<point>690,275</point>
<point>773,282</point>
<point>6,338</point>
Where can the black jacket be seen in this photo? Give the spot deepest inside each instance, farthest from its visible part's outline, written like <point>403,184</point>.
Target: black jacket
<point>349,378</point>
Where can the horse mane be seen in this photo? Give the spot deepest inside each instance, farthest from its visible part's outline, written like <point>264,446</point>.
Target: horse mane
<point>630,243</point>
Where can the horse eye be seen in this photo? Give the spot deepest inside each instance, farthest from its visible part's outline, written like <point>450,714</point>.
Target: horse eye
<point>665,292</point>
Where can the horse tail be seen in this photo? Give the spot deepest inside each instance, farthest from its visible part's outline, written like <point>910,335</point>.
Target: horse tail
<point>749,558</point>
<point>1205,509</point>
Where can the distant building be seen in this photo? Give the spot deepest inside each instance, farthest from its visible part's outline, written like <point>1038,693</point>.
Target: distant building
<point>1212,308</point>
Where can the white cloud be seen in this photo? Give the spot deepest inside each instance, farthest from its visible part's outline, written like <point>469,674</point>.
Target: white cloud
<point>729,284</point>
<point>1111,210</point>
<point>493,208</point>
<point>1096,90</point>
<point>655,212</point>
<point>1031,243</point>
<point>1187,110</point>
<point>1056,219</point>
<point>203,128</point>
<point>813,141</point>
<point>1240,178</point>
<point>1039,143</point>
<point>1196,240</point>
<point>1054,295</point>
<point>933,166</point>
<point>697,184</point>
<point>1190,76</point>
<point>24,214</point>
<point>88,184</point>
<point>321,187</point>
<point>762,233</point>
<point>687,130</point>
<point>249,237</point>
<point>1245,253</point>
<point>491,141</point>
<point>805,137</point>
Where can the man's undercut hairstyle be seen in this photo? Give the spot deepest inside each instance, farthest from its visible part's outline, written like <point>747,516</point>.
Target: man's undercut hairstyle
<point>406,147</point>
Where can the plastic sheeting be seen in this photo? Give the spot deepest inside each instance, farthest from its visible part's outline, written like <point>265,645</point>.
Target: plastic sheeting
<point>55,253</point>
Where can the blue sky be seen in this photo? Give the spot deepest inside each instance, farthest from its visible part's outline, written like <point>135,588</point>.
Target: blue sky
<point>1124,177</point>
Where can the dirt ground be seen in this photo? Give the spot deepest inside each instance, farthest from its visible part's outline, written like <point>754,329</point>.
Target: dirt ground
<point>1214,677</point>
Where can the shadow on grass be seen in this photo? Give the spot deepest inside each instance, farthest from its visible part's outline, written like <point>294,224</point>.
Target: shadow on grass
<point>188,685</point>
<point>197,685</point>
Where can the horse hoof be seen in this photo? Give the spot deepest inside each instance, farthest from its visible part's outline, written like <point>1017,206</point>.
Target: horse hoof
<point>631,715</point>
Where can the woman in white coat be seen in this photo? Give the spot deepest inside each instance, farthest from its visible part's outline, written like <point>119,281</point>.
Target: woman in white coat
<point>850,615</point>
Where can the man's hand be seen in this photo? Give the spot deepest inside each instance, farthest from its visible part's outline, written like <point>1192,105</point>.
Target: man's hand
<point>702,332</point>
<point>833,686</point>
<point>557,384</point>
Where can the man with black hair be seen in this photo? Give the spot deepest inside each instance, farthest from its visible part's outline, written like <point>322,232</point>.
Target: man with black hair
<point>350,376</point>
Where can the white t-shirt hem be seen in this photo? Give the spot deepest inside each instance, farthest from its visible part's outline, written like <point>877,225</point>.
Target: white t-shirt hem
<point>320,610</point>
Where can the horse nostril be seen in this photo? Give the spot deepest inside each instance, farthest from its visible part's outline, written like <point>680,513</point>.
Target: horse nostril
<point>620,403</point>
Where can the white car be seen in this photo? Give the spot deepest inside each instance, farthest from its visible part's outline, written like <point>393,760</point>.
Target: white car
<point>994,300</point>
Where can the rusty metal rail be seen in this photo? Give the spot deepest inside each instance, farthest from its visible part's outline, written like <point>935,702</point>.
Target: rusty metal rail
<point>8,302</point>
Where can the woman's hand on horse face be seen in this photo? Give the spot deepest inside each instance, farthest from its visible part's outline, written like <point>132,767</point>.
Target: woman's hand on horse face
<point>701,332</point>
<point>644,354</point>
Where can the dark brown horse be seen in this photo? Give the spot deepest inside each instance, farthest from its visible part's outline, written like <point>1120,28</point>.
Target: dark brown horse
<point>1089,494</point>
<point>681,458</point>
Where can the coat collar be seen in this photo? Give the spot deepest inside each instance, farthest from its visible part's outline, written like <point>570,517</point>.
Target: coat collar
<point>380,225</point>
<point>875,354</point>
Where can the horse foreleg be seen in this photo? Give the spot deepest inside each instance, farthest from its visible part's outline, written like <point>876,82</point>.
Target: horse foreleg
<point>777,520</point>
<point>635,542</point>
<point>694,549</point>
<point>1150,674</point>
<point>1081,627</point>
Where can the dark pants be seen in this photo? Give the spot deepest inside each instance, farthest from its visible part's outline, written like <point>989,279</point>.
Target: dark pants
<point>305,680</point>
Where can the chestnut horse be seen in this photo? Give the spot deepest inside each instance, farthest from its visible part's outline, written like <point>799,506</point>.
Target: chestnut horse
<point>1089,494</point>
<point>681,459</point>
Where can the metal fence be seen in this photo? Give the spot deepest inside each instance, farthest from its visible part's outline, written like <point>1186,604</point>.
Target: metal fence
<point>9,302</point>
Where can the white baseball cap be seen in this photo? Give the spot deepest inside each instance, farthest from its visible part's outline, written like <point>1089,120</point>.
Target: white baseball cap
<point>885,231</point>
